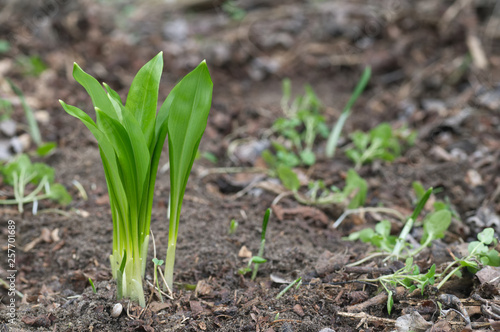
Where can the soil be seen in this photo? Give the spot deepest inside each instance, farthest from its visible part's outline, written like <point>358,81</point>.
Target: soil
<point>423,77</point>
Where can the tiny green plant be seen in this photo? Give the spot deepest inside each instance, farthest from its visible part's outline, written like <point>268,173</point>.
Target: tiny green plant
<point>21,172</point>
<point>479,254</point>
<point>131,138</point>
<point>297,282</point>
<point>297,130</point>
<point>382,142</point>
<point>354,191</point>
<point>334,136</point>
<point>233,226</point>
<point>409,277</point>
<point>157,263</point>
<point>93,286</point>
<point>257,260</point>
<point>434,226</point>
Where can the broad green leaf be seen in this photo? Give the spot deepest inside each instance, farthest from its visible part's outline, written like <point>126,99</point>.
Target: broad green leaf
<point>60,194</point>
<point>142,99</point>
<point>288,177</point>
<point>494,258</point>
<point>41,170</point>
<point>486,236</point>
<point>435,225</point>
<point>189,102</point>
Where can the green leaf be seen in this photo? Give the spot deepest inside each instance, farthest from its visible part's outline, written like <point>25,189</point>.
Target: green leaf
<point>288,177</point>
<point>355,183</point>
<point>40,171</point>
<point>142,99</point>
<point>435,225</point>
<point>95,90</point>
<point>486,236</point>
<point>46,148</point>
<point>307,157</point>
<point>494,258</point>
<point>419,189</point>
<point>59,194</point>
<point>390,302</point>
<point>257,260</point>
<point>158,262</point>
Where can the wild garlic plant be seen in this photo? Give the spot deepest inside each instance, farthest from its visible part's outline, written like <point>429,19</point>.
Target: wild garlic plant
<point>131,139</point>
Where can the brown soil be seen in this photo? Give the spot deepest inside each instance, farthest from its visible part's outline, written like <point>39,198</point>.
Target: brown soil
<point>417,53</point>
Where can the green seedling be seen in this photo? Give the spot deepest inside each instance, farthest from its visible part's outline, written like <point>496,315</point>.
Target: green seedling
<point>434,226</point>
<point>409,277</point>
<point>43,148</point>
<point>131,139</point>
<point>334,136</point>
<point>297,130</point>
<point>157,263</point>
<point>253,260</point>
<point>297,282</point>
<point>31,65</point>
<point>93,286</point>
<point>419,190</point>
<point>380,143</point>
<point>479,254</point>
<point>262,242</point>
<point>257,260</point>
<point>21,172</point>
<point>233,227</point>
<point>189,104</point>
<point>354,191</point>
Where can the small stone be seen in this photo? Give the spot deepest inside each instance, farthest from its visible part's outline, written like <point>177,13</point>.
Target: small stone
<point>117,310</point>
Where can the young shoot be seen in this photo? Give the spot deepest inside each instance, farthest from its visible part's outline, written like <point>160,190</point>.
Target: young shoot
<point>262,242</point>
<point>297,282</point>
<point>257,260</point>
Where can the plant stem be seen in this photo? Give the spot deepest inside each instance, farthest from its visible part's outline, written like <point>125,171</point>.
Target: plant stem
<point>169,263</point>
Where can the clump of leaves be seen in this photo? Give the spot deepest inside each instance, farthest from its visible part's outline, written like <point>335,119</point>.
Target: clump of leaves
<point>409,277</point>
<point>21,172</point>
<point>354,191</point>
<point>379,143</point>
<point>434,226</point>
<point>131,139</point>
<point>297,130</point>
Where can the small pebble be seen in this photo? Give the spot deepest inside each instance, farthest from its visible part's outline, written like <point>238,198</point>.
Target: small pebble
<point>117,310</point>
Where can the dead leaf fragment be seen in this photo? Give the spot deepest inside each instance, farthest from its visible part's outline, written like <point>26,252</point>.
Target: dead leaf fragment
<point>203,288</point>
<point>244,253</point>
<point>298,310</point>
<point>412,322</point>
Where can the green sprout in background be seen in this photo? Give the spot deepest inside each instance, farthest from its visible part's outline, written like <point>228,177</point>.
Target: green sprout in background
<point>20,172</point>
<point>334,136</point>
<point>257,260</point>
<point>382,142</point>
<point>131,139</point>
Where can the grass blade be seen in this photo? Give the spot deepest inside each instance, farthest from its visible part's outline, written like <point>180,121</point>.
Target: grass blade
<point>331,144</point>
